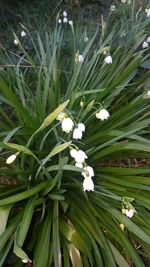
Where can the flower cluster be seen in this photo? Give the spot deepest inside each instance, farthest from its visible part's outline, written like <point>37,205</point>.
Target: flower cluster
<point>145,43</point>
<point>65,19</point>
<point>23,34</point>
<point>79,157</point>
<point>67,125</point>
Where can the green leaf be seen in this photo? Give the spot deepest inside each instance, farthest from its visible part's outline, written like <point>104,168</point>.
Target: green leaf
<point>50,118</point>
<point>75,256</point>
<point>25,223</point>
<point>119,258</point>
<point>19,148</point>
<point>58,149</point>
<point>18,197</point>
<point>42,250</point>
<point>20,253</point>
<point>4,213</point>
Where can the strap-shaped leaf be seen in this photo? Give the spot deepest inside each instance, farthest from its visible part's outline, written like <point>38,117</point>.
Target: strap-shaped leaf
<point>4,212</point>
<point>50,118</point>
<point>20,253</point>
<point>19,148</point>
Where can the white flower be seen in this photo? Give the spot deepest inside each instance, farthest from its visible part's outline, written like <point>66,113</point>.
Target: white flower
<point>73,153</point>
<point>11,159</point>
<point>148,39</point>
<point>67,125</point>
<point>89,172</point>
<point>148,12</point>
<point>112,8</point>
<point>88,184</point>
<point>144,45</point>
<point>129,213</point>
<point>78,155</point>
<point>80,58</point>
<point>16,42</point>
<point>23,34</point>
<point>123,1</point>
<point>59,21</point>
<point>25,261</point>
<point>86,39</point>
<point>81,126</point>
<point>79,165</point>
<point>65,14</point>
<point>108,60</point>
<point>103,114</point>
<point>65,20</point>
<point>70,22</point>
<point>148,93</point>
<point>77,134</point>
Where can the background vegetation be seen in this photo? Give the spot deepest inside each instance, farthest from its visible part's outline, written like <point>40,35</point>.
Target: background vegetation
<point>47,218</point>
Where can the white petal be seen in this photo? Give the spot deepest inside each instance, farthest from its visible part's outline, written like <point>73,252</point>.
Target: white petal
<point>59,21</point>
<point>65,14</point>
<point>148,39</point>
<point>79,165</point>
<point>88,184</point>
<point>67,125</point>
<point>89,172</point>
<point>11,159</point>
<point>16,42</point>
<point>70,22</point>
<point>23,34</point>
<point>80,58</point>
<point>108,60</point>
<point>144,45</point>
<point>77,134</point>
<point>103,114</point>
<point>129,213</point>
<point>81,126</point>
<point>80,156</point>
<point>65,20</point>
<point>73,153</point>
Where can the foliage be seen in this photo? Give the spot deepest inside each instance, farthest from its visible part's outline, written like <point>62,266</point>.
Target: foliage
<point>47,217</point>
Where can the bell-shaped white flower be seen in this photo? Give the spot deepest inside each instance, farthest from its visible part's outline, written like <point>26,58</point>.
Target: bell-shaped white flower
<point>11,159</point>
<point>148,12</point>
<point>129,213</point>
<point>65,20</point>
<point>148,93</point>
<point>88,184</point>
<point>112,8</point>
<point>144,45</point>
<point>81,156</point>
<point>108,60</point>
<point>78,155</point>
<point>86,39</point>
<point>123,1</point>
<point>23,34</point>
<point>81,126</point>
<point>103,114</point>
<point>79,165</point>
<point>70,22</point>
<point>59,21</point>
<point>148,39</point>
<point>77,134</point>
<point>16,42</point>
<point>89,172</point>
<point>65,14</point>
<point>73,153</point>
<point>80,58</point>
<point>67,125</point>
